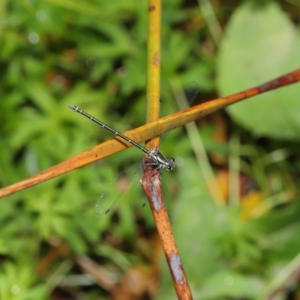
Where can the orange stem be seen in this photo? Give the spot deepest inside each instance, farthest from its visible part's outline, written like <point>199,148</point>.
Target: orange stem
<point>147,132</point>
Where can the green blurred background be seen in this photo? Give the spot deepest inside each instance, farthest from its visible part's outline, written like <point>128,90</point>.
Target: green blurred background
<point>93,54</point>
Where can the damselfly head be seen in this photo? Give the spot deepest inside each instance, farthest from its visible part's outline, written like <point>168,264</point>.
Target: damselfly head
<point>171,164</point>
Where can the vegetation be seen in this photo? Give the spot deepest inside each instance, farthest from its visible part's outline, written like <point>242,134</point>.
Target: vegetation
<point>93,54</point>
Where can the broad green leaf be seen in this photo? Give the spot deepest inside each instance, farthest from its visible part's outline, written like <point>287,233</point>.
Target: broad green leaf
<point>259,44</point>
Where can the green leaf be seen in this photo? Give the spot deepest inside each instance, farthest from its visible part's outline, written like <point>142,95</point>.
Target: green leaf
<point>260,43</point>
<point>16,282</point>
<point>229,284</point>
